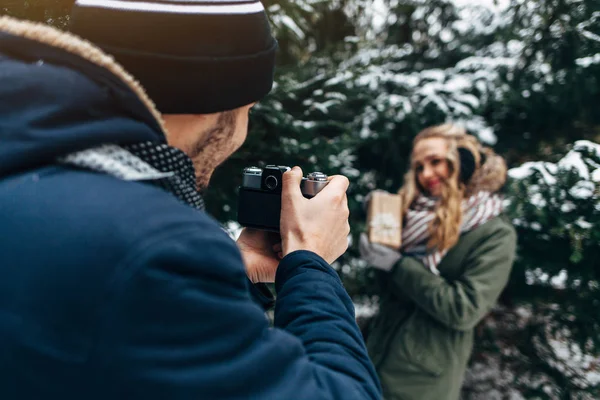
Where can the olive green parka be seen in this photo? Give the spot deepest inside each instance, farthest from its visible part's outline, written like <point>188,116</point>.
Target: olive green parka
<point>422,337</point>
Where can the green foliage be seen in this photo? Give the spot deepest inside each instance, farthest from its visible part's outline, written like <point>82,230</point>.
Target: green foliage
<point>543,346</point>
<point>556,209</point>
<point>556,78</point>
<point>308,26</point>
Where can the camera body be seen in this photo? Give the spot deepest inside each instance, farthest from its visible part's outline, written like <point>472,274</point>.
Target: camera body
<point>259,200</point>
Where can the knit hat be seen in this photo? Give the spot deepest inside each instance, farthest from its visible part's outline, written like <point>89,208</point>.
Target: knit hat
<point>191,56</point>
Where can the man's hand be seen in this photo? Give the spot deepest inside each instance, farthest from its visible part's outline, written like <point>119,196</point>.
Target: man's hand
<point>319,224</point>
<point>261,253</point>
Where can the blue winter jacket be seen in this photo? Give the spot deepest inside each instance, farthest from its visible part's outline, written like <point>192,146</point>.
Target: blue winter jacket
<point>112,289</point>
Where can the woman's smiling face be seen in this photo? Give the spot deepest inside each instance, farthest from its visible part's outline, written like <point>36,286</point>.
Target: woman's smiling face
<point>430,162</point>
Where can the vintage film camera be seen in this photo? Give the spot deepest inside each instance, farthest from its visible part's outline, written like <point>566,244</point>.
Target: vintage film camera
<point>259,200</point>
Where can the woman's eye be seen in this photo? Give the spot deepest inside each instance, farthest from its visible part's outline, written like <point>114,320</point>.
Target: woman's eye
<point>435,161</point>
<point>419,168</point>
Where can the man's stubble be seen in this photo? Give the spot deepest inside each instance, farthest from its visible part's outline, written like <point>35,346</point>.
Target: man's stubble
<point>214,147</point>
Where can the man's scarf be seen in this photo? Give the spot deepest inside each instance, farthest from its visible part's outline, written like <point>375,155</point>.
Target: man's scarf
<point>155,163</point>
<point>477,210</point>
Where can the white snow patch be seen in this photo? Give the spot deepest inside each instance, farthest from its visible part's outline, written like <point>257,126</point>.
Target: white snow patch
<point>574,160</point>
<point>567,206</point>
<point>582,190</point>
<point>559,281</point>
<point>233,228</point>
<point>365,310</point>
<point>587,61</point>
<point>525,170</point>
<point>583,224</point>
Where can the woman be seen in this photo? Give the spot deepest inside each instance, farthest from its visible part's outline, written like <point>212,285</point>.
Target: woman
<point>455,259</point>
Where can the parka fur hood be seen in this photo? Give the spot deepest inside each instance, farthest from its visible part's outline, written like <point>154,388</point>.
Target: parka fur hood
<point>75,45</point>
<point>62,95</point>
<point>491,176</point>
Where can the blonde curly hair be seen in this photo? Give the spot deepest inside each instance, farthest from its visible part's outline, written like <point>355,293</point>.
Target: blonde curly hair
<point>489,176</point>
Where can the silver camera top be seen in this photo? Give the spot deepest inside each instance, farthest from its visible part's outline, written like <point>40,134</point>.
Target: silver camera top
<point>252,171</point>
<point>313,183</point>
<point>251,177</point>
<point>268,179</point>
<point>316,176</point>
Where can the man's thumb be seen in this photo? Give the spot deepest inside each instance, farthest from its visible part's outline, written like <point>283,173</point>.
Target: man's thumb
<point>291,182</point>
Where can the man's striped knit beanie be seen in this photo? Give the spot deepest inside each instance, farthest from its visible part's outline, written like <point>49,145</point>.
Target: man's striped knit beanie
<point>191,56</point>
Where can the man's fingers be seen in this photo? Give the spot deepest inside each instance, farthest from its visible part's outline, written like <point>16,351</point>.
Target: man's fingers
<point>291,183</point>
<point>336,188</point>
<point>338,182</point>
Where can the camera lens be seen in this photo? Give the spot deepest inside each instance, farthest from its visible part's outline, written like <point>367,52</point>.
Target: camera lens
<point>271,182</point>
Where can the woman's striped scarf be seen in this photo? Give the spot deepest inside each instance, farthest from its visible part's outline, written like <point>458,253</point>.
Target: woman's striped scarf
<point>477,210</point>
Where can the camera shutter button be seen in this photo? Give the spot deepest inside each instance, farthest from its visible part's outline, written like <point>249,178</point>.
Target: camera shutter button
<point>317,176</point>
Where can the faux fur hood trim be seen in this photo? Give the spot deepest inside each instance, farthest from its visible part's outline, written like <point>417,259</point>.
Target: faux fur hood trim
<point>73,44</point>
<point>491,176</point>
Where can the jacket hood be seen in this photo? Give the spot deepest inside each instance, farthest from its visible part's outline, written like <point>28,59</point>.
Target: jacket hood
<point>60,94</point>
<point>491,177</point>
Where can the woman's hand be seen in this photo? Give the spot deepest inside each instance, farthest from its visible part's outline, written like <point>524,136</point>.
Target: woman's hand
<point>377,255</point>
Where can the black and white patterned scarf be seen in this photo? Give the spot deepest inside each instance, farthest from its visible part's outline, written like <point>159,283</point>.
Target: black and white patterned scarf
<point>156,163</point>
<point>477,210</point>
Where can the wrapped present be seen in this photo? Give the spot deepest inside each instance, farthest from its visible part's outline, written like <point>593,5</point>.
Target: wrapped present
<point>384,219</point>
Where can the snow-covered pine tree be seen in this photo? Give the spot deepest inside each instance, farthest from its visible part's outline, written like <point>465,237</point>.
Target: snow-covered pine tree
<point>544,342</point>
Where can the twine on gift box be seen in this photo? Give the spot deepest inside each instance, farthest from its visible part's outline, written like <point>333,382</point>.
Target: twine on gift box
<point>385,224</point>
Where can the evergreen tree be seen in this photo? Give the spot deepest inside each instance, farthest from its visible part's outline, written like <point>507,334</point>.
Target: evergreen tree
<point>546,345</point>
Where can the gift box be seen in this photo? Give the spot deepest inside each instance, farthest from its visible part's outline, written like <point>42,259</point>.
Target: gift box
<point>384,219</point>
